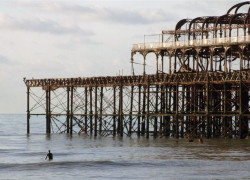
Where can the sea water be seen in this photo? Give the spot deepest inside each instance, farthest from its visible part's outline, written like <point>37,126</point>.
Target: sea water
<point>22,156</point>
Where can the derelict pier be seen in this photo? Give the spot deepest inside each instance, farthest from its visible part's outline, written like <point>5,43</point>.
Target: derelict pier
<point>201,86</point>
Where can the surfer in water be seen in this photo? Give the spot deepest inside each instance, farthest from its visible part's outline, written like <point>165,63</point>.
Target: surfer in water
<point>49,155</point>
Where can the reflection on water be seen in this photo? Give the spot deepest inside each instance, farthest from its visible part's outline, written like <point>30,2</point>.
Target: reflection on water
<point>22,156</point>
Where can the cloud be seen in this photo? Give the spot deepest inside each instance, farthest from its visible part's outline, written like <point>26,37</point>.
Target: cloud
<point>4,60</point>
<point>92,12</point>
<point>137,17</point>
<point>49,26</point>
<point>96,13</point>
<point>41,25</point>
<point>205,8</point>
<point>86,12</point>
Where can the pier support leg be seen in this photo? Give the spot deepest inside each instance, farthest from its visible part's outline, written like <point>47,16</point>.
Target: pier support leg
<point>90,111</point>
<point>48,113</point>
<point>71,109</point>
<point>148,94</point>
<point>131,110</point>
<point>167,118</point>
<point>86,110</point>
<point>156,112</point>
<point>28,110</point>
<point>243,120</point>
<point>162,110</point>
<point>227,120</point>
<point>114,113</point>
<point>101,109</point>
<point>188,108</point>
<point>183,110</point>
<point>208,110</point>
<point>121,111</point>
<point>68,115</point>
<point>176,111</point>
<point>143,111</point>
<point>96,115</point>
<point>139,112</point>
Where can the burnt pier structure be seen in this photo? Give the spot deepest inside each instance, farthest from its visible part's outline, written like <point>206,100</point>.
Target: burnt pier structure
<point>200,88</point>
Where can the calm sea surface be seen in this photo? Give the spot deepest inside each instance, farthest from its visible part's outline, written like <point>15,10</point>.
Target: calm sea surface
<point>84,157</point>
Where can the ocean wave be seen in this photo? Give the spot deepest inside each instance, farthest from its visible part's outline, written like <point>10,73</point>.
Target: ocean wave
<point>69,164</point>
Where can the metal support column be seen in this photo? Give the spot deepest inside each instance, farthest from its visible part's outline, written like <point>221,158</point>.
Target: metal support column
<point>131,110</point>
<point>96,113</point>
<point>48,113</point>
<point>90,110</point>
<point>121,110</point>
<point>139,111</point>
<point>86,109</point>
<point>143,110</point>
<point>71,109</point>
<point>176,110</point>
<point>68,115</point>
<point>28,109</point>
<point>114,109</point>
<point>156,112</point>
<point>148,113</point>
<point>101,109</point>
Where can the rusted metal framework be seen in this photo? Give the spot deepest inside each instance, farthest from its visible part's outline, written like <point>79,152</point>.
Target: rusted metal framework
<point>204,90</point>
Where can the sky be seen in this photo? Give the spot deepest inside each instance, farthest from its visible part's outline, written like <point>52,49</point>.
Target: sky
<point>81,38</point>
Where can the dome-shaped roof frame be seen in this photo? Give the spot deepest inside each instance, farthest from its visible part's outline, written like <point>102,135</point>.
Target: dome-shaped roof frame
<point>238,6</point>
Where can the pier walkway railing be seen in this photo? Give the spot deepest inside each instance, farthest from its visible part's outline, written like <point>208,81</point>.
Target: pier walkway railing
<point>192,43</point>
